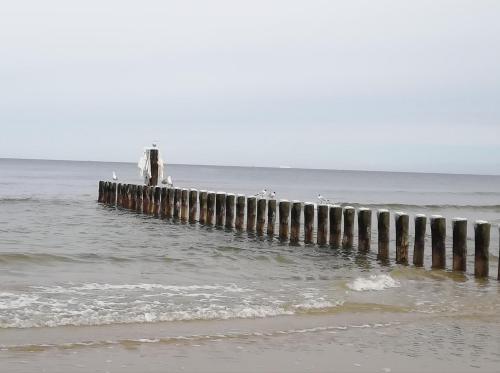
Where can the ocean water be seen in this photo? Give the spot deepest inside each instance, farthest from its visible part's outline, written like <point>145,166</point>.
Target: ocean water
<point>85,287</point>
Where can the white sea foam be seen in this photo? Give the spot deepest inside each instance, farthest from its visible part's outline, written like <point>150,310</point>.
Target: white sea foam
<point>374,282</point>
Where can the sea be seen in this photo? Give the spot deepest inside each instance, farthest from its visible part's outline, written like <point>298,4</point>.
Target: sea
<point>91,288</point>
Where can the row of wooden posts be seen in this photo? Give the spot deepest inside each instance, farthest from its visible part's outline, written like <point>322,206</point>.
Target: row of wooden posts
<point>229,210</point>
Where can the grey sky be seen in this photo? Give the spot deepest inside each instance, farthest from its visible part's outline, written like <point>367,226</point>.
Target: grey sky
<point>393,85</point>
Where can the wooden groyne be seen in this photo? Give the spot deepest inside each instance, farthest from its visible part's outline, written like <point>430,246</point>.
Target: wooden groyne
<point>228,211</point>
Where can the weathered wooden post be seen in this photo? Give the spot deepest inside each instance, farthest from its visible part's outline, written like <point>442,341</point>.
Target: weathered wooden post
<point>271,217</point>
<point>220,208</point>
<point>419,245</point>
<point>308,223</point>
<point>335,226</point>
<point>251,213</point>
<point>154,162</point>
<point>383,225</point>
<point>203,206</point>
<point>113,194</point>
<point>210,208</point>
<point>119,195</point>
<point>261,216</point>
<point>364,229</point>
<point>240,212</point>
<point>170,203</point>
<point>101,192</point>
<point>322,238</point>
<point>438,233</point>
<point>139,196</point>
<point>402,222</point>
<point>164,202</point>
<point>131,196</point>
<point>184,205</point>
<point>295,222</point>
<point>459,227</point>
<point>145,200</point>
<point>284,211</point>
<point>230,203</point>
<point>105,192</point>
<point>348,238</point>
<point>152,204</point>
<point>482,248</point>
<point>177,203</point>
<point>157,199</point>
<point>124,195</point>
<point>193,205</point>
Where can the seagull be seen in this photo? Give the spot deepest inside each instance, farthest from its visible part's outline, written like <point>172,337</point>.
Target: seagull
<point>262,194</point>
<point>114,176</point>
<point>168,181</point>
<point>272,195</point>
<point>323,200</point>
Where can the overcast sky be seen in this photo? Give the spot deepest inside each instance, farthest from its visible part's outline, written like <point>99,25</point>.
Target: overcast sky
<point>376,85</point>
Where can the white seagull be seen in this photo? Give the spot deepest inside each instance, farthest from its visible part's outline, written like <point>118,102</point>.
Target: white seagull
<point>114,176</point>
<point>272,195</point>
<point>262,194</point>
<point>168,181</point>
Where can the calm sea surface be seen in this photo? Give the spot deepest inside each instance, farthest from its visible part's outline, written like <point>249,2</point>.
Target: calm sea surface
<point>84,287</point>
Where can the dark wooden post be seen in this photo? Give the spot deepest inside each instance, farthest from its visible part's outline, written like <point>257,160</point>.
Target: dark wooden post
<point>459,226</point>
<point>240,212</point>
<point>113,194</point>
<point>145,200</point>
<point>164,202</point>
<point>153,159</point>
<point>170,203</point>
<point>157,199</point>
<point>203,206</point>
<point>152,204</point>
<point>210,208</point>
<point>193,205</point>
<point>119,198</point>
<point>348,239</point>
<point>131,196</point>
<point>230,202</point>
<point>419,246</point>
<point>105,192</point>
<point>438,232</point>
<point>482,248</point>
<point>184,205</point>
<point>139,196</point>
<point>220,209</point>
<point>322,238</point>
<point>271,217</point>
<point>308,223</point>
<point>100,197</point>
<point>124,203</point>
<point>177,203</point>
<point>261,216</point>
<point>402,227</point>
<point>284,211</point>
<point>251,213</point>
<point>335,226</point>
<point>383,225</point>
<point>295,222</point>
<point>364,229</point>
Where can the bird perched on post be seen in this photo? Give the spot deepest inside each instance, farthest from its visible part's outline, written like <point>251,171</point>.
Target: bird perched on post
<point>262,194</point>
<point>168,182</point>
<point>272,195</point>
<point>115,178</point>
<point>323,200</point>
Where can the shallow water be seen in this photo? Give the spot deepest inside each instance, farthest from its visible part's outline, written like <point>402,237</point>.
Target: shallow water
<point>74,273</point>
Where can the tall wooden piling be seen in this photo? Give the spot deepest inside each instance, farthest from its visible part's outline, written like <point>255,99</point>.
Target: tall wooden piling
<point>261,216</point>
<point>402,223</point>
<point>240,212</point>
<point>203,206</point>
<point>295,221</point>
<point>124,202</point>
<point>322,235</point>
<point>177,203</point>
<point>164,202</point>
<point>100,197</point>
<point>184,205</point>
<point>154,162</point>
<point>119,195</point>
<point>230,203</point>
<point>193,205</point>
<point>152,205</point>
<point>271,217</point>
<point>383,226</point>
<point>364,229</point>
<point>146,200</point>
<point>348,238</point>
<point>210,208</point>
<point>139,196</point>
<point>335,226</point>
<point>220,209</point>
<point>419,244</point>
<point>157,199</point>
<point>308,223</point>
<point>169,212</point>
<point>113,194</point>
<point>438,233</point>
<point>131,191</point>
<point>459,227</point>
<point>251,213</point>
<point>482,248</point>
<point>284,215</point>
<point>105,192</point>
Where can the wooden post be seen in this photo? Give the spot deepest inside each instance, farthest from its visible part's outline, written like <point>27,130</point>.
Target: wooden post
<point>145,200</point>
<point>100,197</point>
<point>322,225</point>
<point>210,208</point>
<point>119,198</point>
<point>438,232</point>
<point>348,239</point>
<point>240,212</point>
<point>364,229</point>
<point>284,211</point>
<point>335,226</point>
<point>139,196</point>
<point>105,192</point>
<point>230,201</point>
<point>261,216</point>
<point>482,248</point>
<point>295,222</point>
<point>124,193</point>
<point>153,159</point>
<point>193,205</point>
<point>113,194</point>
<point>251,213</point>
<point>152,204</point>
<point>131,196</point>
<point>271,217</point>
<point>164,202</point>
<point>203,206</point>
<point>157,199</point>
<point>169,212</point>
<point>308,223</point>
<point>383,225</point>
<point>459,226</point>
<point>184,205</point>
<point>402,222</point>
<point>177,203</point>
<point>419,246</point>
<point>220,209</point>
